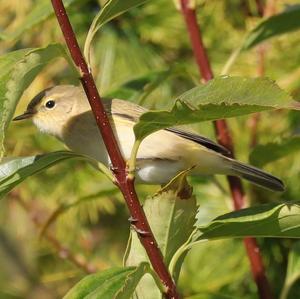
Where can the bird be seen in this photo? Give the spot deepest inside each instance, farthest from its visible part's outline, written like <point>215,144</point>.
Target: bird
<point>64,112</point>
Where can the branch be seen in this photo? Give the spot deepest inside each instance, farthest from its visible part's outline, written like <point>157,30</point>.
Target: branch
<point>223,135</point>
<point>122,180</point>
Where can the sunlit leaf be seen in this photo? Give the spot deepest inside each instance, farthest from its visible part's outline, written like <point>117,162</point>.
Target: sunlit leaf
<point>284,22</point>
<point>41,11</point>
<point>117,283</point>
<point>266,153</point>
<point>271,220</point>
<point>222,97</point>
<point>110,10</point>
<point>171,215</point>
<point>13,171</point>
<point>18,69</point>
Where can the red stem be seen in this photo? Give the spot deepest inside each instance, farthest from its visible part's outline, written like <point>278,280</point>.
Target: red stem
<point>126,185</point>
<point>260,7</point>
<point>224,138</point>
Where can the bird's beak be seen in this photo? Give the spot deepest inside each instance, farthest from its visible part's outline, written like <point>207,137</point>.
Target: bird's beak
<point>25,115</point>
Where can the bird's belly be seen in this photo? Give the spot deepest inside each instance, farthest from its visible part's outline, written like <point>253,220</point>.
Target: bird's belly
<point>149,171</point>
<point>157,171</point>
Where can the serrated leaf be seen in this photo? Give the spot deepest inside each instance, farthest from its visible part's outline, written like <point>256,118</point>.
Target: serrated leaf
<point>13,171</point>
<point>110,10</point>
<point>284,22</point>
<point>41,11</point>
<point>222,97</point>
<point>116,283</point>
<point>171,215</point>
<point>18,69</point>
<point>271,220</point>
<point>265,153</point>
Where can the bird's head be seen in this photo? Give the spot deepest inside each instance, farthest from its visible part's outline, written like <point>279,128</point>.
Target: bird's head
<point>52,108</point>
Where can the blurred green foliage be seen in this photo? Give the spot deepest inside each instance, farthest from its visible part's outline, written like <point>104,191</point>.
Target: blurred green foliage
<point>147,39</point>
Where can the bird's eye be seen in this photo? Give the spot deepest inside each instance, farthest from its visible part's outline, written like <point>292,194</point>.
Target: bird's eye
<point>50,104</point>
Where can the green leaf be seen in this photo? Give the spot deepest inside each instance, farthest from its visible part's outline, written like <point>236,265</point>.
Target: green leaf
<point>270,152</point>
<point>110,10</point>
<point>222,97</point>
<point>284,22</point>
<point>271,220</point>
<point>171,215</point>
<point>41,11</point>
<point>293,270</point>
<point>13,171</point>
<point>115,283</point>
<point>18,69</point>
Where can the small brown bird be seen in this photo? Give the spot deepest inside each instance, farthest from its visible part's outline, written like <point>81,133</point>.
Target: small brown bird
<point>64,112</point>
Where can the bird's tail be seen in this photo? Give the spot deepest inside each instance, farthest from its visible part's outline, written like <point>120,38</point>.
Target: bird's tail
<point>256,176</point>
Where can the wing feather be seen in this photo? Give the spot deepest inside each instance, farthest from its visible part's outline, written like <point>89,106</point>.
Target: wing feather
<point>132,112</point>
<point>200,140</point>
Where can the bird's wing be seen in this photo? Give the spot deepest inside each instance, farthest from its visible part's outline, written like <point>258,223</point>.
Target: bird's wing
<point>200,140</point>
<point>132,112</point>
<point>124,109</point>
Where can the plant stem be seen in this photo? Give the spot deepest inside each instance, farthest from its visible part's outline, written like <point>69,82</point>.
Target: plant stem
<point>230,61</point>
<point>260,7</point>
<point>125,183</point>
<point>224,138</point>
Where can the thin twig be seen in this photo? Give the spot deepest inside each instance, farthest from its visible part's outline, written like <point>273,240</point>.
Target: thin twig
<point>63,252</point>
<point>125,183</point>
<point>224,138</point>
